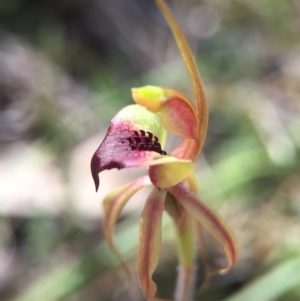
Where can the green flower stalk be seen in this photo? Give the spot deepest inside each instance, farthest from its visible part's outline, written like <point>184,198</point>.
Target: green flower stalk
<point>136,138</point>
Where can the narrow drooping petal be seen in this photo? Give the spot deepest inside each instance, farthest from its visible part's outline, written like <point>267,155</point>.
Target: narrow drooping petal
<point>132,138</point>
<point>210,219</point>
<point>150,240</point>
<point>192,184</point>
<point>113,204</point>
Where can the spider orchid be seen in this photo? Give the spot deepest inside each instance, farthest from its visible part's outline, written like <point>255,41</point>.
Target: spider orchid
<point>136,138</point>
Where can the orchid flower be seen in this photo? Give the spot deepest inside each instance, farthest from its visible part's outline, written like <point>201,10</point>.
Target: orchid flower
<point>136,138</point>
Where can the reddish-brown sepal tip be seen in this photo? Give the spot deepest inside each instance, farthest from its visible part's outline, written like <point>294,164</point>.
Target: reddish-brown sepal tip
<point>95,162</point>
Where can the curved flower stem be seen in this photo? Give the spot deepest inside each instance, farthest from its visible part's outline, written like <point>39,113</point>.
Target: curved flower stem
<point>185,280</point>
<point>185,240</point>
<point>185,51</point>
<point>184,284</point>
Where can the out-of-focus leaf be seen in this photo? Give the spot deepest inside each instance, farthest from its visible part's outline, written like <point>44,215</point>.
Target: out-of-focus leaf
<point>66,279</point>
<point>234,172</point>
<point>272,284</point>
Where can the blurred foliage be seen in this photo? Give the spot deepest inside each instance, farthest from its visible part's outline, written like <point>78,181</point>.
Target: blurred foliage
<point>66,68</point>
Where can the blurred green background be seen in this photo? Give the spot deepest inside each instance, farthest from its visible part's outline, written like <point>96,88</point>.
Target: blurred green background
<point>66,68</point>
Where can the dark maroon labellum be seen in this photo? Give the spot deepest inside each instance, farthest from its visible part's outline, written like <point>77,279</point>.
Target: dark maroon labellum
<point>123,147</point>
<point>144,141</point>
